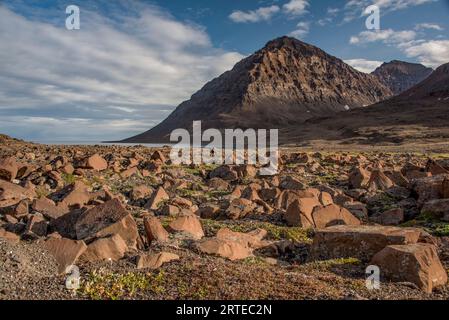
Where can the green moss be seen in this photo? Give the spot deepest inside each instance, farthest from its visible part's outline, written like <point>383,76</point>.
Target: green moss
<point>275,232</point>
<point>326,265</point>
<point>101,285</point>
<point>68,178</point>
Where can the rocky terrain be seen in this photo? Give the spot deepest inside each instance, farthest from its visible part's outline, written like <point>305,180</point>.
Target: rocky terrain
<point>399,76</point>
<point>138,227</point>
<point>283,84</point>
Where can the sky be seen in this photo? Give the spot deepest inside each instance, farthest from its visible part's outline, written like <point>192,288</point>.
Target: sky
<point>132,62</point>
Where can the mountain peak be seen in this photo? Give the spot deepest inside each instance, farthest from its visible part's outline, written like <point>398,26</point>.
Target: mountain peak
<point>400,76</point>
<point>284,83</point>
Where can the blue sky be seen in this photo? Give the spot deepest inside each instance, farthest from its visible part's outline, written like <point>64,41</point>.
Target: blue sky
<point>133,62</point>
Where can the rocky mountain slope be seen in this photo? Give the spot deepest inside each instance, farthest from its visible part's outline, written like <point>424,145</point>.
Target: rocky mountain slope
<point>400,76</point>
<point>417,116</point>
<point>285,83</point>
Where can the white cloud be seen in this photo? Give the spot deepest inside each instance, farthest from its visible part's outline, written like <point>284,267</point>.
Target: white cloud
<point>137,71</point>
<point>302,30</point>
<point>430,53</point>
<point>432,26</point>
<point>363,65</point>
<point>355,8</point>
<point>261,14</point>
<point>388,36</point>
<point>296,7</point>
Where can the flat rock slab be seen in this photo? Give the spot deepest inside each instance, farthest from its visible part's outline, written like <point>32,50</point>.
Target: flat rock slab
<point>416,263</point>
<point>65,251</point>
<point>93,220</point>
<point>155,261</point>
<point>361,242</point>
<point>110,248</point>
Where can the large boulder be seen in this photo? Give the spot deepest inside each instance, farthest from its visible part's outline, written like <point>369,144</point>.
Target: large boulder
<point>224,172</point>
<point>106,219</point>
<point>379,181</point>
<point>154,230</point>
<point>361,242</point>
<point>439,209</point>
<point>109,248</point>
<point>332,215</point>
<point>359,178</point>
<point>8,168</point>
<point>299,213</point>
<point>189,224</point>
<point>65,251</point>
<point>48,208</point>
<point>95,162</point>
<point>155,260</point>
<point>416,263</point>
<point>233,245</point>
<point>429,188</point>
<point>11,194</point>
<point>158,197</point>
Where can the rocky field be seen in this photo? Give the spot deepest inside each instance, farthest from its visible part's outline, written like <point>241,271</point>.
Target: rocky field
<point>138,227</point>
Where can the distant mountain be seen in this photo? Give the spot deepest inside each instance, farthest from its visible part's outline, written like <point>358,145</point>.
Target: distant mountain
<point>436,86</point>
<point>400,76</point>
<point>419,115</point>
<point>285,83</point>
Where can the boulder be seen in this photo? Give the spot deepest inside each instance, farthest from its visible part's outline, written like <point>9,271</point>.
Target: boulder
<point>239,208</point>
<point>392,217</point>
<point>188,223</point>
<point>224,248</point>
<point>155,260</point>
<point>107,219</point>
<point>379,181</point>
<point>154,230</point>
<point>224,172</point>
<point>359,178</point>
<point>109,248</point>
<point>95,162</point>
<point>37,225</point>
<point>9,236</point>
<point>129,172</point>
<point>48,208</point>
<point>429,188</point>
<point>361,242</point>
<point>299,213</point>
<point>416,263</point>
<point>157,198</point>
<point>11,194</point>
<point>65,251</point>
<point>140,192</point>
<point>439,209</point>
<point>158,156</point>
<point>233,245</point>
<point>8,168</point>
<point>290,183</point>
<point>332,215</point>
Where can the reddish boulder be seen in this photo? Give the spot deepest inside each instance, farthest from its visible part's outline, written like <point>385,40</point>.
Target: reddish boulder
<point>8,168</point>
<point>109,248</point>
<point>154,230</point>
<point>155,260</point>
<point>332,215</point>
<point>416,263</point>
<point>65,251</point>
<point>361,242</point>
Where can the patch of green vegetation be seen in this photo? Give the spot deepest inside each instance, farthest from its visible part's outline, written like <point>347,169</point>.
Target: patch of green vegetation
<point>275,232</point>
<point>68,178</point>
<point>383,203</point>
<point>41,192</point>
<point>101,285</point>
<point>427,221</point>
<point>256,260</point>
<point>326,265</point>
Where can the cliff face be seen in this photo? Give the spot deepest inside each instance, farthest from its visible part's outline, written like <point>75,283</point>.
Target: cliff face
<point>400,76</point>
<point>285,83</point>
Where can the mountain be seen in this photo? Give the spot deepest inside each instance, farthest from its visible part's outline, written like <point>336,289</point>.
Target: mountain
<point>418,116</point>
<point>400,76</point>
<point>284,83</point>
<point>436,86</point>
